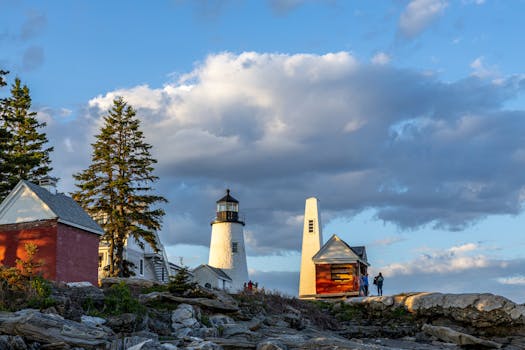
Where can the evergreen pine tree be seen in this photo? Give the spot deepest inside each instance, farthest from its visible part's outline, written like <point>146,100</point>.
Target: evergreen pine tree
<point>5,141</point>
<point>116,186</point>
<point>181,282</point>
<point>25,156</point>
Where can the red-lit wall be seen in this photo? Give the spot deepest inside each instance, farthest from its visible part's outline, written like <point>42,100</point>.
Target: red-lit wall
<point>325,285</point>
<point>69,254</point>
<point>13,238</point>
<point>77,255</point>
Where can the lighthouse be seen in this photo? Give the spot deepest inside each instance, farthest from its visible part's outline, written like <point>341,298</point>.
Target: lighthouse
<point>312,240</point>
<point>227,251</point>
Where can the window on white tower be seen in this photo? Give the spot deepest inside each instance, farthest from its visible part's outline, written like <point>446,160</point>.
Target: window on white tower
<point>310,226</point>
<point>235,247</point>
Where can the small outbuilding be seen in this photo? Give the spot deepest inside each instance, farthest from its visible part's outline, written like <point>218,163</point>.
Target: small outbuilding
<point>66,236</point>
<point>212,277</point>
<point>338,268</point>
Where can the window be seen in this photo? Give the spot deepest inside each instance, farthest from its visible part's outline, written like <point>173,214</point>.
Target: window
<point>310,226</point>
<point>341,272</point>
<point>162,278</point>
<point>141,267</point>
<point>235,247</point>
<point>100,260</point>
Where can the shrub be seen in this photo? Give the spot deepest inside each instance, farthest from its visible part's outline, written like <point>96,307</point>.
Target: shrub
<point>23,286</point>
<point>181,283</point>
<point>118,300</point>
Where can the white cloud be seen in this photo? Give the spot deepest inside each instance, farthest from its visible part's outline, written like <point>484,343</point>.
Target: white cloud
<point>463,248</point>
<point>481,70</point>
<point>475,2</point>
<point>419,14</point>
<point>513,280</point>
<point>140,95</point>
<point>387,241</point>
<point>451,260</point>
<point>381,58</point>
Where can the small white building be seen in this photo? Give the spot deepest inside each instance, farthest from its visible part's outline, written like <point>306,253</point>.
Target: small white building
<point>212,277</point>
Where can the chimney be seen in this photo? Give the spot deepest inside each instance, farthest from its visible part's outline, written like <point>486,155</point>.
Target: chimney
<point>49,183</point>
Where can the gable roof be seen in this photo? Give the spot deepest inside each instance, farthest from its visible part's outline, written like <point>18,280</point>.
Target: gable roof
<point>218,272</point>
<point>62,207</point>
<point>335,250</point>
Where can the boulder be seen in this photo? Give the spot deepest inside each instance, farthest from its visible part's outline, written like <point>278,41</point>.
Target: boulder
<point>126,323</point>
<point>233,344</point>
<point>136,342</point>
<point>220,320</point>
<point>203,345</point>
<point>82,292</point>
<point>294,318</point>
<point>184,322</point>
<point>447,334</point>
<point>478,310</point>
<point>159,321</point>
<point>49,328</point>
<point>12,342</point>
<point>92,321</point>
<point>271,345</point>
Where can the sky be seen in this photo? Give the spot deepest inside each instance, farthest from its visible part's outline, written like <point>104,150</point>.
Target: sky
<point>406,119</point>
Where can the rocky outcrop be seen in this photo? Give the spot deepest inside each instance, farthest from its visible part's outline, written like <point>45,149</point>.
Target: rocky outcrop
<point>478,310</point>
<point>415,321</point>
<point>48,329</point>
<point>449,335</point>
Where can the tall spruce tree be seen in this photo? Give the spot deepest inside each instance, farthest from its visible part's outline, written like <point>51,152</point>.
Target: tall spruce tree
<point>25,156</point>
<point>116,187</point>
<point>5,138</point>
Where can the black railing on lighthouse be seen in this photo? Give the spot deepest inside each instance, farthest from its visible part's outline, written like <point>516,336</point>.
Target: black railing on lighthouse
<point>229,216</point>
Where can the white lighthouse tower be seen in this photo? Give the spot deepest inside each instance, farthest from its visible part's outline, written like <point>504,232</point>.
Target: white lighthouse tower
<point>312,240</point>
<point>227,250</point>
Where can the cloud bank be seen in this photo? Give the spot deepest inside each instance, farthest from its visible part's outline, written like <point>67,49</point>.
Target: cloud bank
<point>279,128</point>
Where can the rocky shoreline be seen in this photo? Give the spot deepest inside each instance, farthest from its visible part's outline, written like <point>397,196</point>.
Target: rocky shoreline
<point>265,321</point>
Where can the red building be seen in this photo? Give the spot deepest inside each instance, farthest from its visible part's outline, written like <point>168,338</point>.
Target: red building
<point>66,236</point>
<point>338,268</point>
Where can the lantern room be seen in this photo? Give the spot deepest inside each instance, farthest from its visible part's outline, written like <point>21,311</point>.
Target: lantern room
<point>227,209</point>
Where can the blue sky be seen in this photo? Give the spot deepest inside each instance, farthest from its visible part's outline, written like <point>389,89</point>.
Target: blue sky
<point>405,118</point>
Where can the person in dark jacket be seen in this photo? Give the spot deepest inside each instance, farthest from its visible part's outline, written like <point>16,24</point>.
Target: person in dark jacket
<point>378,281</point>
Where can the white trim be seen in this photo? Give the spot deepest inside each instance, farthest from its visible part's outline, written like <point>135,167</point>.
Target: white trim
<point>15,195</point>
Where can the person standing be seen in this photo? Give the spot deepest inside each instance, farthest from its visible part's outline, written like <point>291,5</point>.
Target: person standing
<point>378,281</point>
<point>363,285</point>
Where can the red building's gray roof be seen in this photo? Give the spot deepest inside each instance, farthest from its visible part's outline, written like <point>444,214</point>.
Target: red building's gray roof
<point>65,208</point>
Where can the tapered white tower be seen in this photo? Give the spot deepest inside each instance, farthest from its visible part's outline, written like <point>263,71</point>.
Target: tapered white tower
<point>312,240</point>
<point>227,250</point>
